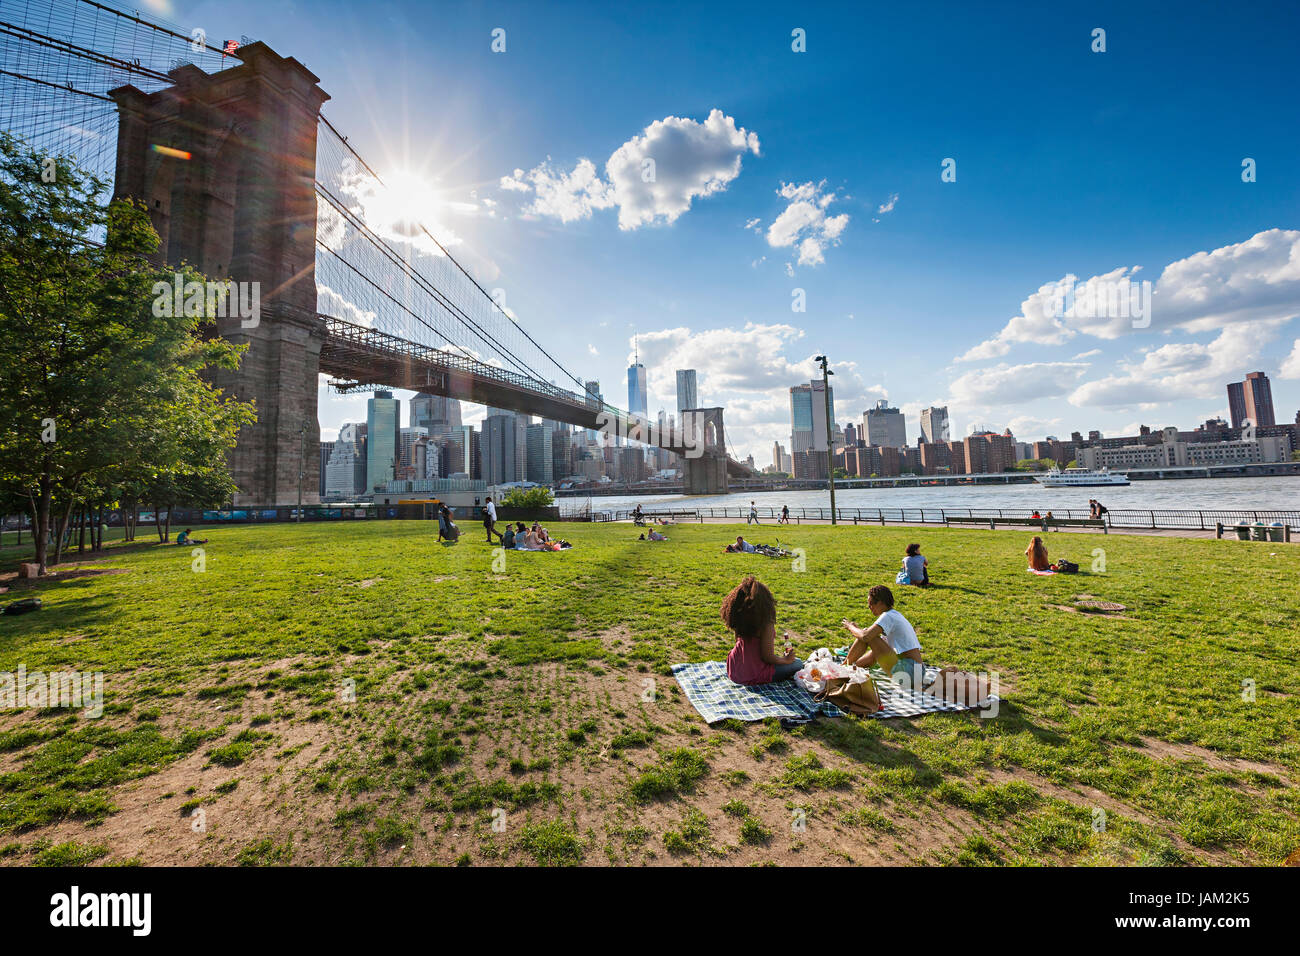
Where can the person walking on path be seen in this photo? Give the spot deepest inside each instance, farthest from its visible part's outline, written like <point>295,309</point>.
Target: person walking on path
<point>753,515</point>
<point>490,520</point>
<point>785,515</point>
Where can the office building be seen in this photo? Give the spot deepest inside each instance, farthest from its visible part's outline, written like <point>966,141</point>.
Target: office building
<point>1251,401</point>
<point>383,426</point>
<point>637,400</point>
<point>808,417</point>
<point>884,426</point>
<point>460,454</point>
<point>540,454</point>
<point>498,447</point>
<point>326,447</point>
<point>688,395</point>
<point>345,472</point>
<point>406,465</point>
<point>934,424</point>
<point>1170,450</point>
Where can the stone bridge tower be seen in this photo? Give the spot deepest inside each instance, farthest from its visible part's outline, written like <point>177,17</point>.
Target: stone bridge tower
<point>707,473</point>
<point>242,206</point>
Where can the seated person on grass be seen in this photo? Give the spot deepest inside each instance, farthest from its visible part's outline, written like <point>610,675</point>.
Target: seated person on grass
<point>184,538</point>
<point>508,539</point>
<point>889,643</point>
<point>916,566</point>
<point>1037,554</point>
<point>750,612</point>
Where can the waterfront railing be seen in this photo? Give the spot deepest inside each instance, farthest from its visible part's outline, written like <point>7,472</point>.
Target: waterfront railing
<point>1148,519</point>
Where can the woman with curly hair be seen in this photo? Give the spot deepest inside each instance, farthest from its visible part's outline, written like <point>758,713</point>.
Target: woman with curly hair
<point>750,613</point>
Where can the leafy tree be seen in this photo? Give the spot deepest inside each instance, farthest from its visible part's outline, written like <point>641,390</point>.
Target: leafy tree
<point>539,497</point>
<point>97,391</point>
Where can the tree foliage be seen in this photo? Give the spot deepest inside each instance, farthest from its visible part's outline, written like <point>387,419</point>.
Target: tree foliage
<point>102,398</point>
<point>539,497</point>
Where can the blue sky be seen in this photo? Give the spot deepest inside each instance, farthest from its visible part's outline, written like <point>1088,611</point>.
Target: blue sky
<point>1069,163</point>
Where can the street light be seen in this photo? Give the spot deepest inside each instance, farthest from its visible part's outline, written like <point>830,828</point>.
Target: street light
<point>830,434</point>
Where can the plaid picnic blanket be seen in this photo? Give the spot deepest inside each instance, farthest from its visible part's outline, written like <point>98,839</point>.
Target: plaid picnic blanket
<point>716,697</point>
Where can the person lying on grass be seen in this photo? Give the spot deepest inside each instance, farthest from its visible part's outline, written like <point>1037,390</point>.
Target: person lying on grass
<point>750,612</point>
<point>890,643</point>
<point>653,536</point>
<point>1037,554</point>
<point>740,546</point>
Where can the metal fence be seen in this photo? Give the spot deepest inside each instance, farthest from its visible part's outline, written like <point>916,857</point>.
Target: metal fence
<point>1115,518</point>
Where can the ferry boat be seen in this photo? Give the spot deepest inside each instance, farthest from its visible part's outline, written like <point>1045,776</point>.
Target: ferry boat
<point>1082,478</point>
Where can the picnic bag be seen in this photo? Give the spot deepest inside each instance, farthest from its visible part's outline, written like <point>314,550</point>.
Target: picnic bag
<point>857,697</point>
<point>903,577</point>
<point>1066,567</point>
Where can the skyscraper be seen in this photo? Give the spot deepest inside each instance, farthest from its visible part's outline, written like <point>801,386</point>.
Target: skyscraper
<point>594,400</point>
<point>540,454</point>
<point>934,424</point>
<point>808,431</point>
<point>345,474</point>
<point>436,413</point>
<point>636,390</point>
<point>406,453</point>
<point>688,395</point>
<point>1251,401</point>
<point>383,425</point>
<point>498,448</point>
<point>885,426</point>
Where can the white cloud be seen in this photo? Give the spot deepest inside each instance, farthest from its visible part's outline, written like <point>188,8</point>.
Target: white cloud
<point>652,178</point>
<point>804,222</point>
<point>1246,282</point>
<point>592,350</point>
<point>1251,281</point>
<point>1291,365</point>
<point>560,195</point>
<point>1016,384</point>
<point>1180,370</point>
<point>887,206</point>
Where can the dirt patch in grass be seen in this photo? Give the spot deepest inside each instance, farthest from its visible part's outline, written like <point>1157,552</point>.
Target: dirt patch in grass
<point>1164,750</point>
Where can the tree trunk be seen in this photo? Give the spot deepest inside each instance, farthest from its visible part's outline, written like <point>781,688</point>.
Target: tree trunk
<point>81,536</point>
<point>167,534</point>
<point>157,521</point>
<point>41,522</point>
<point>64,520</point>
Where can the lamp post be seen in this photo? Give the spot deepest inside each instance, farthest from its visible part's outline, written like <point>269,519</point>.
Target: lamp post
<point>830,435</point>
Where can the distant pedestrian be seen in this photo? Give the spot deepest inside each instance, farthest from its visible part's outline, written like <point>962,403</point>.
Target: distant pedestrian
<point>785,515</point>
<point>1102,510</point>
<point>753,515</point>
<point>490,520</point>
<point>1093,505</point>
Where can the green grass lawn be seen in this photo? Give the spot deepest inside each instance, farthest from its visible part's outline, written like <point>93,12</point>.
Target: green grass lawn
<point>356,693</point>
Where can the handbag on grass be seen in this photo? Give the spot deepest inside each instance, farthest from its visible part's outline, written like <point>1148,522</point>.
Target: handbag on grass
<point>857,697</point>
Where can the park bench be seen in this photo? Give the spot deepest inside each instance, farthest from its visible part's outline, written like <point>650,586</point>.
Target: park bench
<point>1044,523</point>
